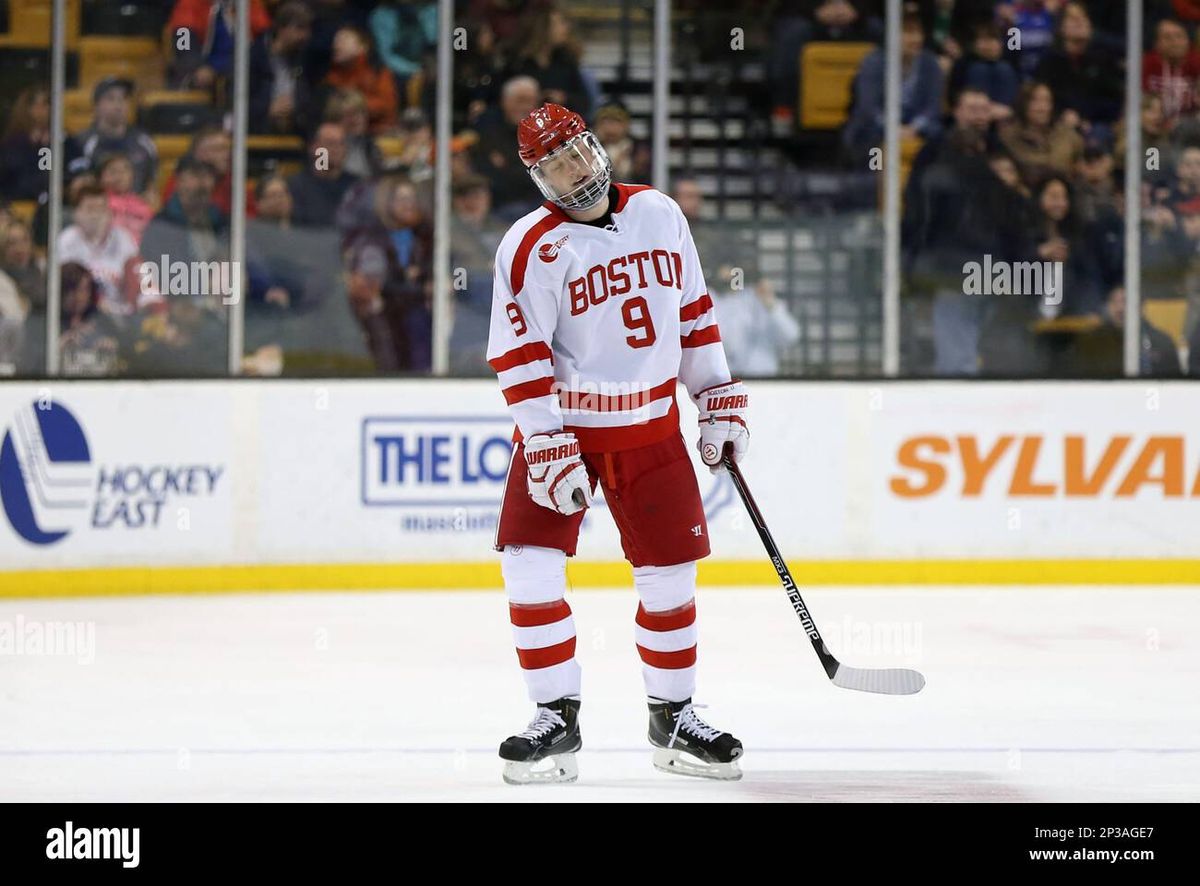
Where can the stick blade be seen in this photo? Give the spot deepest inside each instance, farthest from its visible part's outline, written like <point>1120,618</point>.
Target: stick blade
<point>887,681</point>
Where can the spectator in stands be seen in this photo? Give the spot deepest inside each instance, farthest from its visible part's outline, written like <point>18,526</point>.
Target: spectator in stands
<point>277,279</point>
<point>13,310</point>
<point>24,157</point>
<point>495,153</point>
<point>1034,22</point>
<point>1007,345</point>
<point>478,73</point>
<point>984,67</point>
<point>547,51</point>
<point>1084,78</point>
<point>1189,219</point>
<point>189,228</point>
<point>799,22</point>
<point>27,270</point>
<point>111,133</point>
<point>107,251</point>
<point>1187,176</point>
<point>1005,168</point>
<point>297,313</point>
<point>1095,191</point>
<point>1062,238</point>
<point>756,327</point>
<point>1156,136</point>
<point>393,260</point>
<point>474,236</point>
<point>201,34</point>
<point>405,32</point>
<point>723,249</point>
<point>415,155</point>
<point>921,94</point>
<point>1171,70</point>
<point>352,68</point>
<point>320,186</point>
<point>630,157</point>
<point>349,108</point>
<point>1166,252</point>
<point>1101,353</point>
<point>129,209</point>
<point>955,213</point>
<point>88,339</point>
<point>275,271</point>
<point>951,26</point>
<point>274,201</point>
<point>214,146</point>
<point>279,88</point>
<point>1041,145</point>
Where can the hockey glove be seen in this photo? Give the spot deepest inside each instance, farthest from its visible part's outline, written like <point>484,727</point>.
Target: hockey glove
<point>723,420</point>
<point>557,477</point>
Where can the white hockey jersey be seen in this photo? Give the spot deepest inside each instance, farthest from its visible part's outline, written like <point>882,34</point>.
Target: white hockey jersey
<point>593,327</point>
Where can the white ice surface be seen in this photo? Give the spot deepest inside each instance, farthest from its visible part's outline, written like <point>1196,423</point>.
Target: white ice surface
<point>1033,694</point>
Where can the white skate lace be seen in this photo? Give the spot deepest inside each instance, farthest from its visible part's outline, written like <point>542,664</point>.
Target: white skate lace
<point>688,719</point>
<point>546,719</point>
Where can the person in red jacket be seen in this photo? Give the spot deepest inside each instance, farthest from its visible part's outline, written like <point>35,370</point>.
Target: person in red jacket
<point>352,68</point>
<point>207,52</point>
<point>1172,69</point>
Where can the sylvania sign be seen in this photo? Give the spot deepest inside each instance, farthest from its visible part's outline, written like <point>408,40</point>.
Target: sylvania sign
<point>1048,466</point>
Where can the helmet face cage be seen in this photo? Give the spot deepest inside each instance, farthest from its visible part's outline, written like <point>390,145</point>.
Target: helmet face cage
<point>582,157</point>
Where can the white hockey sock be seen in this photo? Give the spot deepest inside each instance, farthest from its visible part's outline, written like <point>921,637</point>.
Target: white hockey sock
<point>666,629</point>
<point>543,628</point>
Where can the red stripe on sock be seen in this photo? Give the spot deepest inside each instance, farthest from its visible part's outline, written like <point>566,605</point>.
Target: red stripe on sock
<point>535,615</point>
<point>532,659</point>
<point>671,620</point>
<point>671,661</point>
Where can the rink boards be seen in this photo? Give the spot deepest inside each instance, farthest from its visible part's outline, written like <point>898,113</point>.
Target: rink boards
<point>134,487</point>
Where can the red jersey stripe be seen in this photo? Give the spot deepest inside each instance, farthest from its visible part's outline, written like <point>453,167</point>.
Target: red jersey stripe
<point>628,436</point>
<point>682,617</point>
<point>581,401</point>
<point>516,278</point>
<point>706,336</point>
<point>527,390</point>
<point>537,615</point>
<point>696,309</point>
<point>537,350</point>
<point>671,661</point>
<point>532,659</point>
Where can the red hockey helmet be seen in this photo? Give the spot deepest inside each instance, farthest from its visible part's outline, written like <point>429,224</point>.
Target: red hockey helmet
<point>565,159</point>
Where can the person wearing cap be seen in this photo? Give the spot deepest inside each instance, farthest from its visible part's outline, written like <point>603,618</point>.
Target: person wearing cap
<point>630,157</point>
<point>112,133</point>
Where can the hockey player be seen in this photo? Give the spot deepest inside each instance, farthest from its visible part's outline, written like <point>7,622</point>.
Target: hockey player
<point>599,308</point>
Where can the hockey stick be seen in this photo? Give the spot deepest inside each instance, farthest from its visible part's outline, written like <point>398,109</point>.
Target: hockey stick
<point>889,681</point>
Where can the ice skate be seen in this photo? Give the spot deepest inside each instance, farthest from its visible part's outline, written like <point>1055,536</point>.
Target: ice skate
<point>545,752</point>
<point>686,745</point>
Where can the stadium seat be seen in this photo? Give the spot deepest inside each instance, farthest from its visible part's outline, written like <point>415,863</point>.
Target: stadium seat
<point>129,18</point>
<point>176,112</point>
<point>1168,315</point>
<point>23,210</point>
<point>77,110</point>
<point>170,149</point>
<point>29,24</point>
<point>137,58</point>
<point>826,73</point>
